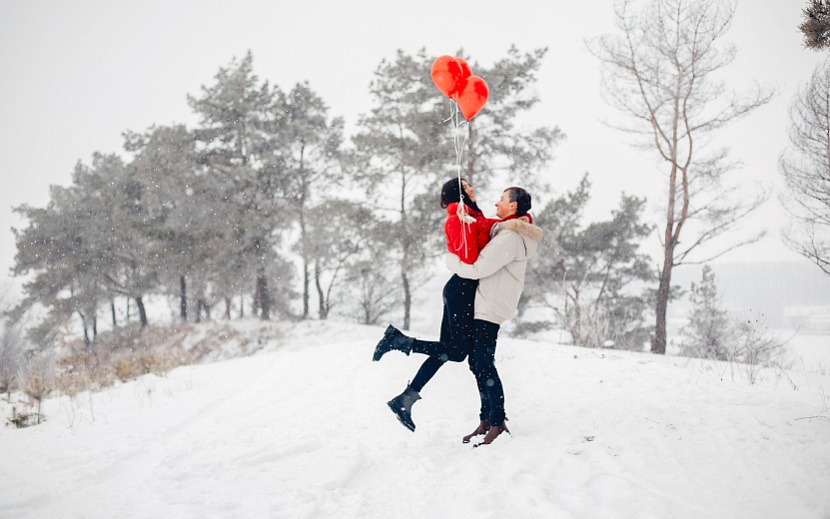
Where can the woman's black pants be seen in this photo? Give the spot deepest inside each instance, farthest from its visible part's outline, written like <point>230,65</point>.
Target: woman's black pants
<point>456,340</point>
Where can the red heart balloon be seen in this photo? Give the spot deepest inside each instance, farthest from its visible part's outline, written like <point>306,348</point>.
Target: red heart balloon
<point>446,74</point>
<point>472,97</point>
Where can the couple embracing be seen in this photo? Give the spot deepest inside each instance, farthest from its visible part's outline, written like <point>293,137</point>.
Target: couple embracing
<point>488,257</point>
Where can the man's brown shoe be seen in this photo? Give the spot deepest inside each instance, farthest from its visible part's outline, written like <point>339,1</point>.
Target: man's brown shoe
<point>482,428</point>
<point>492,433</point>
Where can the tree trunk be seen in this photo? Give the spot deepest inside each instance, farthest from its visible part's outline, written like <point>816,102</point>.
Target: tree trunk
<point>407,299</point>
<point>306,285</point>
<point>576,325</point>
<point>306,275</point>
<point>198,318</point>
<point>304,234</point>
<point>658,341</point>
<point>264,297</point>
<point>227,308</point>
<point>112,309</point>
<point>405,238</point>
<point>323,306</point>
<point>257,303</point>
<point>142,313</point>
<point>86,333</point>
<point>183,298</point>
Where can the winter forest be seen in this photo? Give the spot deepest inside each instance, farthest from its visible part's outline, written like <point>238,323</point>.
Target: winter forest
<point>273,210</point>
<point>268,209</point>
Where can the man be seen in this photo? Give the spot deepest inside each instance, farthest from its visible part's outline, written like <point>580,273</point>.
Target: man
<point>500,269</point>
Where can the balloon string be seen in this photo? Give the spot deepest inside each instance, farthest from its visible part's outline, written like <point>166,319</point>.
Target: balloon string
<point>459,145</point>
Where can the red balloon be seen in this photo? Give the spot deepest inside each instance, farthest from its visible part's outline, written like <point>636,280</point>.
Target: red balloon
<point>446,74</point>
<point>466,71</point>
<point>473,97</point>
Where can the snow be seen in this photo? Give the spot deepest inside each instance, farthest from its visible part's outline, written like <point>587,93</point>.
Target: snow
<point>300,429</point>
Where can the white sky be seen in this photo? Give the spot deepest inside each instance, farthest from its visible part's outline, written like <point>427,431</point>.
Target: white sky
<point>76,74</point>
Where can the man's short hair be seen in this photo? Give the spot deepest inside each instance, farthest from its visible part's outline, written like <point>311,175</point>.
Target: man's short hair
<point>522,199</point>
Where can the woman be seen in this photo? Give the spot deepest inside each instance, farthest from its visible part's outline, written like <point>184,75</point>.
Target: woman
<point>467,232</point>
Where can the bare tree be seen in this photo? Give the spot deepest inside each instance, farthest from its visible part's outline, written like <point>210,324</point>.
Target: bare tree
<point>806,169</point>
<point>660,72</point>
<point>816,25</point>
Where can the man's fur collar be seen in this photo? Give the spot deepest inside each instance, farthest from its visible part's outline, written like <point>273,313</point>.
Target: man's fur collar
<point>523,228</point>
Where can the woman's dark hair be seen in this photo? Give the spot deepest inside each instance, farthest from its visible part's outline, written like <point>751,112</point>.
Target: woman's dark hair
<point>451,193</point>
<point>522,199</point>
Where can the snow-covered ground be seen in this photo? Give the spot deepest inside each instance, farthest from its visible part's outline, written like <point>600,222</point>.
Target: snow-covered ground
<point>300,429</point>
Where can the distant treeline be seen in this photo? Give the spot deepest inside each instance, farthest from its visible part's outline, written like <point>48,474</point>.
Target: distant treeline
<point>267,208</point>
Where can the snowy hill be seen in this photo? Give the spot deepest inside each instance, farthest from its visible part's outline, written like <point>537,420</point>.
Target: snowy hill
<point>301,429</point>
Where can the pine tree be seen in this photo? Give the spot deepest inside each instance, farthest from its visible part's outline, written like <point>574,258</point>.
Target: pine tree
<point>247,184</point>
<point>593,277</point>
<point>86,245</point>
<point>123,221</point>
<point>53,250</point>
<point>399,154</point>
<point>182,231</point>
<point>816,25</point>
<point>709,331</point>
<point>309,151</point>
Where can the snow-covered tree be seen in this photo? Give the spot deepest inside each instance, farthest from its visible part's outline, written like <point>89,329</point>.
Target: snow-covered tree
<point>373,288</point>
<point>593,277</point>
<point>237,116</point>
<point>338,234</point>
<point>708,333</point>
<point>128,217</point>
<point>661,70</point>
<point>309,150</point>
<point>806,169</point>
<point>712,333</point>
<point>400,151</point>
<point>182,230</point>
<point>86,245</point>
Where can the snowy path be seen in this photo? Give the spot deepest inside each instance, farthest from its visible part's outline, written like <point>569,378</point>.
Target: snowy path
<point>303,431</point>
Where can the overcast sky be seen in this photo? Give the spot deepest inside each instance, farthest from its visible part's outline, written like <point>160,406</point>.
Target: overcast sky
<point>76,74</point>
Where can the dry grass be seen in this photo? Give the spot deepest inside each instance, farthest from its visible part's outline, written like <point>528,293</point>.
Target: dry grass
<point>123,355</point>
<point>23,419</point>
<point>119,356</point>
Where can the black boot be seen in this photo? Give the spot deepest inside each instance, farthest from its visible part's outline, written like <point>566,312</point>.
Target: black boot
<point>401,405</point>
<point>392,340</point>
